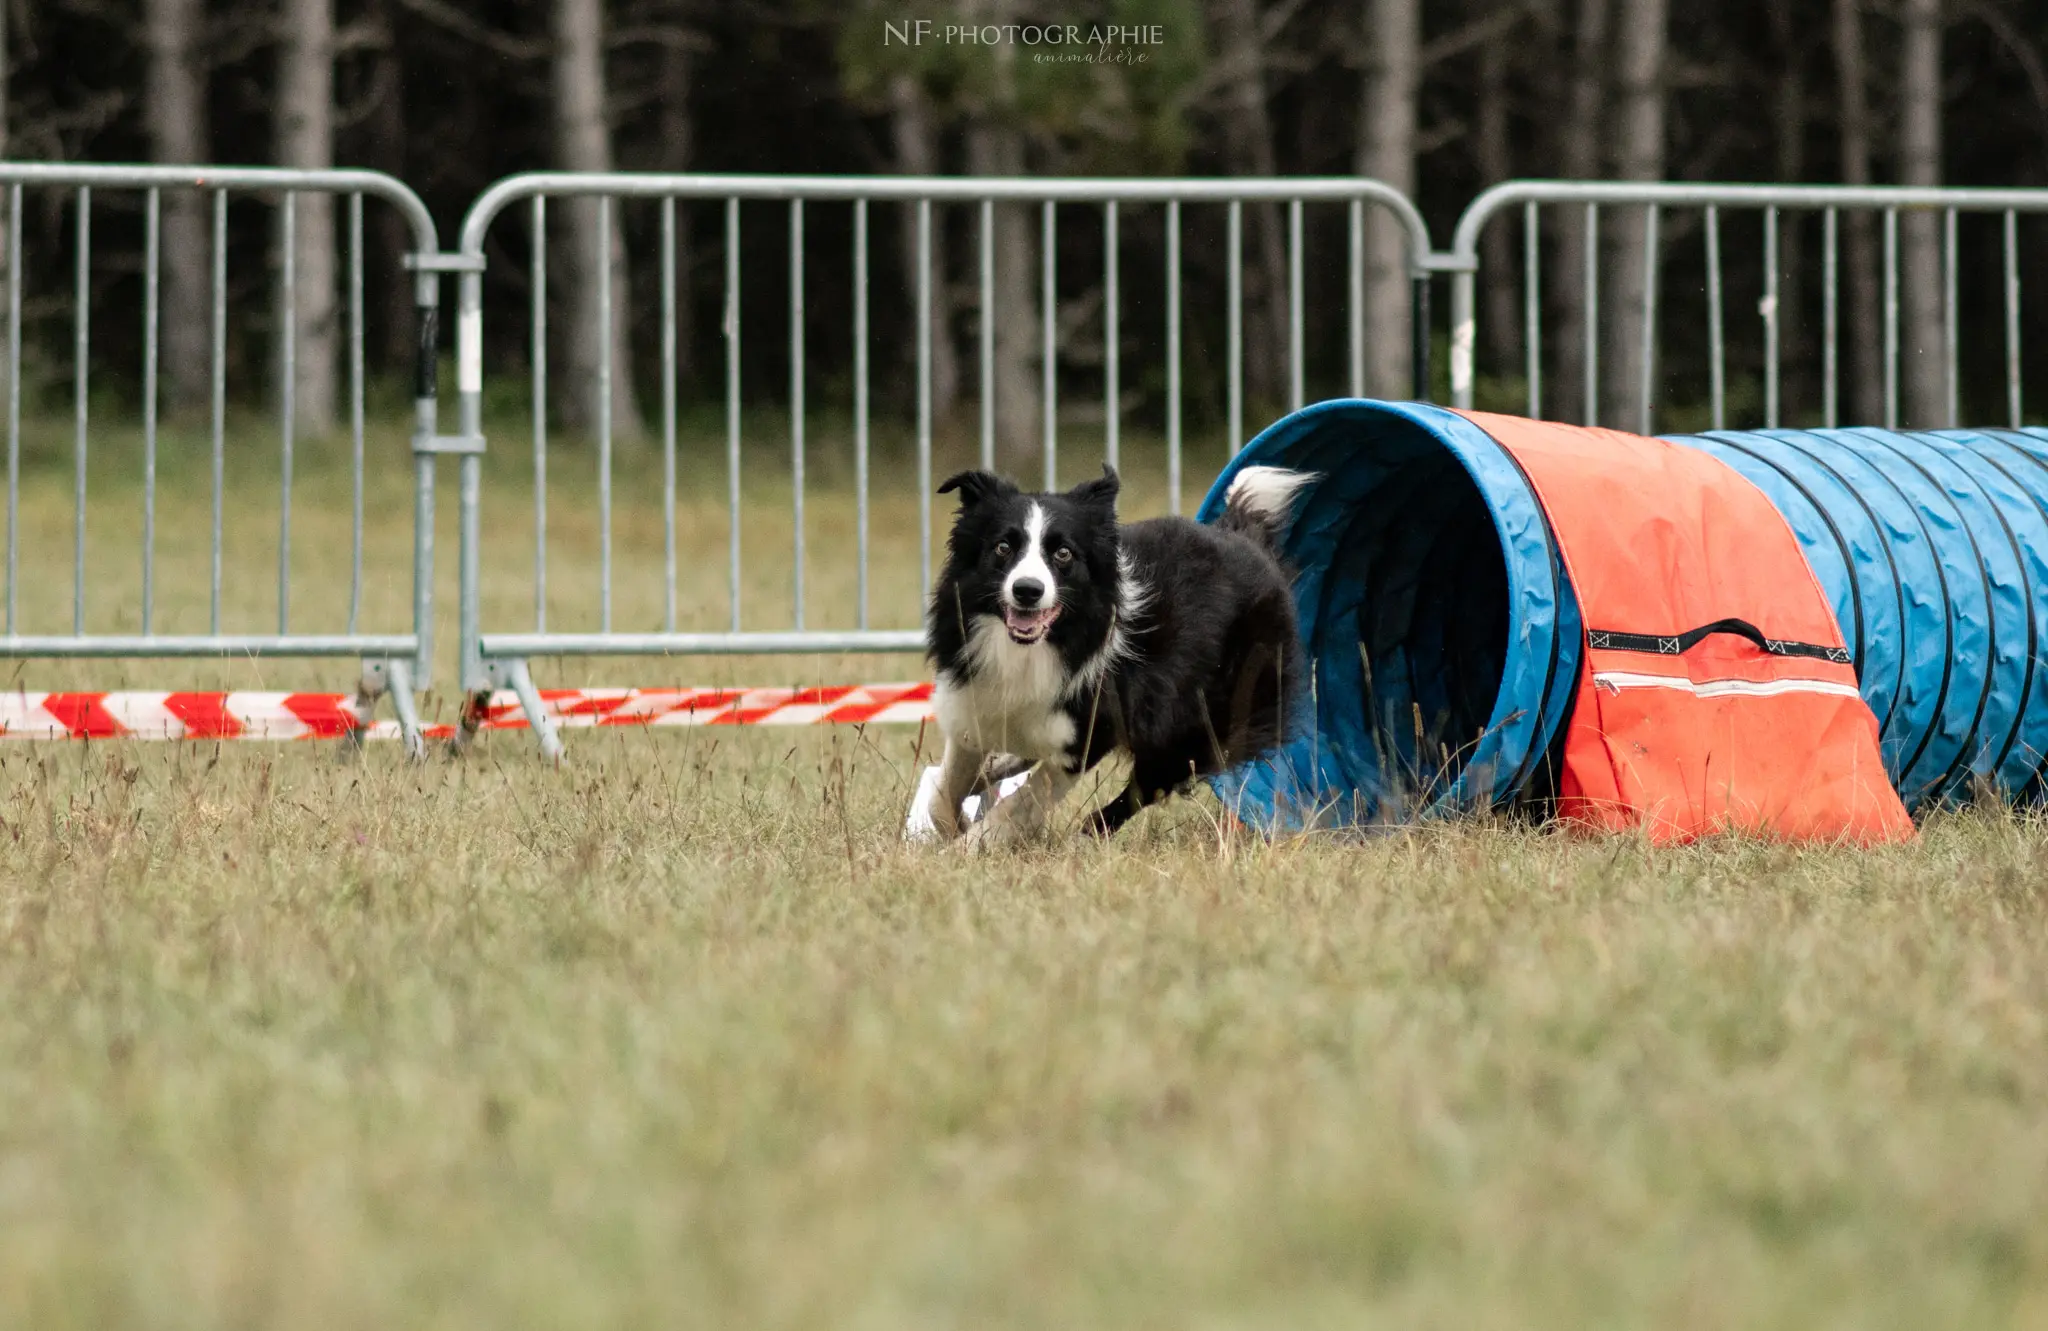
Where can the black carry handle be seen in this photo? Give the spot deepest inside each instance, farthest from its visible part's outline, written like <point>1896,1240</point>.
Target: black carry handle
<point>1672,644</point>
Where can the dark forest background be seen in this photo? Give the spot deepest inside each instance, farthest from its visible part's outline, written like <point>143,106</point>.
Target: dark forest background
<point>1439,99</point>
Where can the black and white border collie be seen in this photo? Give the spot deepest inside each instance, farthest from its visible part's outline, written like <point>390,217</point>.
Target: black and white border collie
<point>1060,637</point>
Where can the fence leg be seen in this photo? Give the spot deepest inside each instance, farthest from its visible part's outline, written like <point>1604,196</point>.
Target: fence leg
<point>398,681</point>
<point>517,675</point>
<point>379,679</point>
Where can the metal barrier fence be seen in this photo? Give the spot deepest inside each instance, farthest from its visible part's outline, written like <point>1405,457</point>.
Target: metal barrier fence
<point>1529,197</point>
<point>398,663</point>
<point>393,663</point>
<point>500,659</point>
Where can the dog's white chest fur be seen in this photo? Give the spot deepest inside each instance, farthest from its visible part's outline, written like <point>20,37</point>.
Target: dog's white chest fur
<point>1010,701</point>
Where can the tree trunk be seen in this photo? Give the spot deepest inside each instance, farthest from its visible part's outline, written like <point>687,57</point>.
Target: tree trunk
<point>1639,61</point>
<point>1578,159</point>
<point>176,112</point>
<point>390,288</point>
<point>305,134</point>
<point>678,150</point>
<point>917,154</point>
<point>1922,345</point>
<point>1794,225</point>
<point>583,143</point>
<point>1860,318</point>
<point>1248,148</point>
<point>1501,323</point>
<point>1386,152</point>
<point>997,149</point>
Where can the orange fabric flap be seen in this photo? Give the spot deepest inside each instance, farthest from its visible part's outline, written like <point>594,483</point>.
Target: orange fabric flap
<point>1720,735</point>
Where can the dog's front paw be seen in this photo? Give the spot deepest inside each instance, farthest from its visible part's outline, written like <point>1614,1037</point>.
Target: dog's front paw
<point>978,839</point>
<point>998,834</point>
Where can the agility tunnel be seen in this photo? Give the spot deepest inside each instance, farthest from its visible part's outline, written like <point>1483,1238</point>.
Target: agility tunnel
<point>1450,657</point>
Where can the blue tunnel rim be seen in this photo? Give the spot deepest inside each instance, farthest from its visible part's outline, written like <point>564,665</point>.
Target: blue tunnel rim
<point>1542,625</point>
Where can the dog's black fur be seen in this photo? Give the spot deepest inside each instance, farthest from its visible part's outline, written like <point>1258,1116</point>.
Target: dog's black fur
<point>1169,639</point>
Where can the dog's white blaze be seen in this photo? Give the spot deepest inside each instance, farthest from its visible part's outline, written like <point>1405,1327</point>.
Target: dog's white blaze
<point>1034,563</point>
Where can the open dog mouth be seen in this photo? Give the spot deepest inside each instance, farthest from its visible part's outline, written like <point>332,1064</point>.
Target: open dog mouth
<point>1028,626</point>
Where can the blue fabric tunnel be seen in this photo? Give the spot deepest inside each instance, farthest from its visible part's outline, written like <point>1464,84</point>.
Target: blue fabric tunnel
<point>1444,639</point>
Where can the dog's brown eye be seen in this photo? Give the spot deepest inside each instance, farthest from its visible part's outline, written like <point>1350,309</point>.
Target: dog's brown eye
<point>1002,549</point>
<point>1063,556</point>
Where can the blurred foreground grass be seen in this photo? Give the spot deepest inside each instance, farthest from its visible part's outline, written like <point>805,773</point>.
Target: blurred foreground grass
<point>680,1035</point>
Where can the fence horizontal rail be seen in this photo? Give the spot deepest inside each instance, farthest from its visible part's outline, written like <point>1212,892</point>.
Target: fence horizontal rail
<point>109,646</point>
<point>700,644</point>
<point>940,189</point>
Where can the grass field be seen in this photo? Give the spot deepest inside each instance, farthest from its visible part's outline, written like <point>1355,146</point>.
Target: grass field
<point>681,1035</point>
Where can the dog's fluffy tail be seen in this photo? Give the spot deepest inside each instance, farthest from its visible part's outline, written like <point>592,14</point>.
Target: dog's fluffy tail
<point>1260,503</point>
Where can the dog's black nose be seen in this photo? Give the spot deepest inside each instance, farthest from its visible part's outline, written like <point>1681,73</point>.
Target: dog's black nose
<point>1027,592</point>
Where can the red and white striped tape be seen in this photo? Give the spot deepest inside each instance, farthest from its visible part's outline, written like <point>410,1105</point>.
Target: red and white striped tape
<point>285,716</point>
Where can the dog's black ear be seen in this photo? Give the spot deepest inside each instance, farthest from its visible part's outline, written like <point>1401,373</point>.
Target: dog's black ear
<point>1098,494</point>
<point>976,487</point>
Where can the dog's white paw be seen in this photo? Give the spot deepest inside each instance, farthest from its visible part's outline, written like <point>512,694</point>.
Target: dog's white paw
<point>999,833</point>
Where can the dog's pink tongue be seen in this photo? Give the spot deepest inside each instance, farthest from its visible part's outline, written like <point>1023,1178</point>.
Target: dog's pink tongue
<point>1023,621</point>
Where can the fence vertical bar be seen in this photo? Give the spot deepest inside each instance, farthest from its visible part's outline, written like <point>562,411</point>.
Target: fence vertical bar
<point>988,334</point>
<point>1173,356</point>
<point>1048,352</point>
<point>732,405</point>
<point>152,231</point>
<point>924,399</point>
<point>537,322</point>
<point>407,677</point>
<point>1419,332</point>
<point>1891,318</point>
<point>289,377</point>
<point>1717,353</point>
<point>1296,374</point>
<point>2012,319</point>
<point>796,402</point>
<point>668,413</point>
<point>355,408</point>
<point>604,412</point>
<point>1651,218</point>
<point>1355,294</point>
<point>469,317</point>
<point>1234,354</point>
<point>1950,336</point>
<point>1532,306</point>
<point>1830,317</point>
<point>860,408</point>
<point>1111,395</point>
<point>218,359</point>
<point>1591,298</point>
<point>13,396</point>
<point>1464,333</point>
<point>82,341</point>
<point>1770,310</point>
